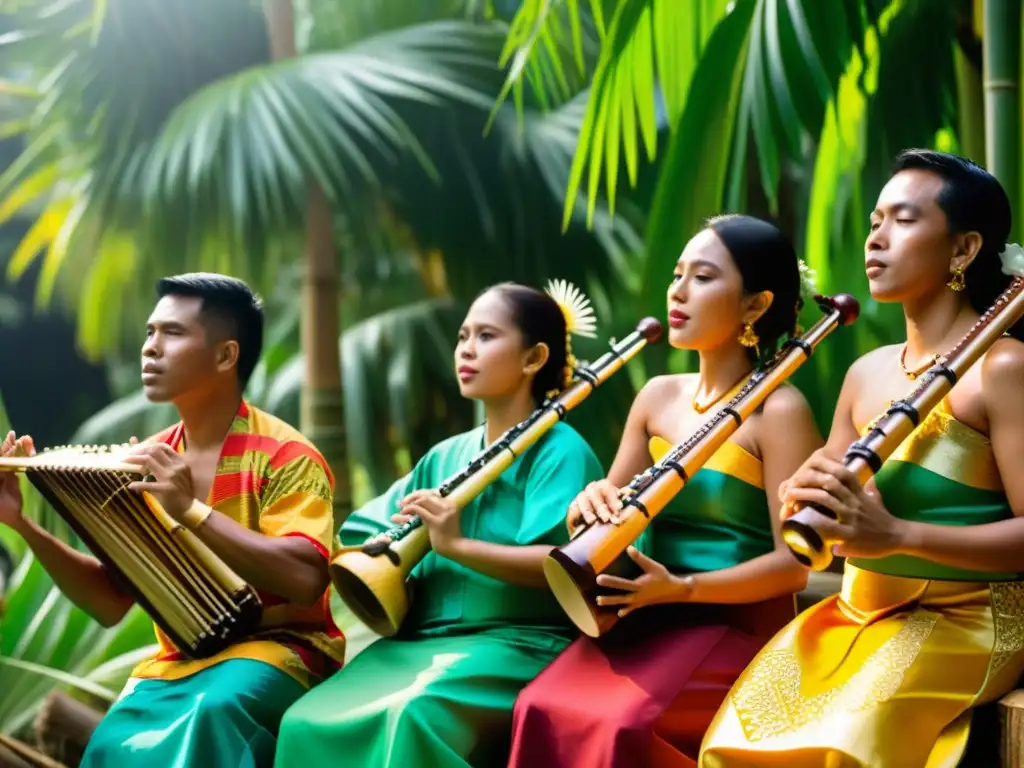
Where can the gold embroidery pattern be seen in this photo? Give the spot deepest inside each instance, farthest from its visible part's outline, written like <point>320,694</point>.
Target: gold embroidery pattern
<point>1008,618</point>
<point>769,702</point>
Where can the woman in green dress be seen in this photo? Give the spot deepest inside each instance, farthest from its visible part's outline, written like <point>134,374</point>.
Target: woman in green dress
<point>482,622</point>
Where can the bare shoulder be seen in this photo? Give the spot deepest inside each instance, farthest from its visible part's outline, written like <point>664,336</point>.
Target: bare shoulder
<point>867,365</point>
<point>661,389</point>
<point>785,405</point>
<point>1002,370</point>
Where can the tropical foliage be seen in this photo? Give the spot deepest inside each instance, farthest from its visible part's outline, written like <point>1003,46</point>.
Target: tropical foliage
<point>792,109</point>
<point>457,150</point>
<point>225,151</point>
<point>211,168</point>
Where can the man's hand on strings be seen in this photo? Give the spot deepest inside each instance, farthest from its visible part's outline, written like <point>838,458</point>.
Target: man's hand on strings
<point>10,491</point>
<point>169,478</point>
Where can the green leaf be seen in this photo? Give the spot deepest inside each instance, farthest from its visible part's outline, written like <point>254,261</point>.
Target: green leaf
<point>546,48</point>
<point>30,189</point>
<point>692,180</point>
<point>642,38</point>
<point>63,678</point>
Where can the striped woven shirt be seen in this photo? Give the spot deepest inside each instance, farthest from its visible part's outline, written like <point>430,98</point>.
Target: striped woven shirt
<point>272,480</point>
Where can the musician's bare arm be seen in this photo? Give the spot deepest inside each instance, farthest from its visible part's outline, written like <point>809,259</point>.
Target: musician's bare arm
<point>82,578</point>
<point>291,567</point>
<point>633,455</point>
<point>287,556</point>
<point>843,431</point>
<point>994,546</point>
<point>786,435</point>
<point>514,565</point>
<point>842,434</point>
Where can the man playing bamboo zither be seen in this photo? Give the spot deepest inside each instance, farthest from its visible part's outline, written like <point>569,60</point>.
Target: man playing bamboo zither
<point>259,495</point>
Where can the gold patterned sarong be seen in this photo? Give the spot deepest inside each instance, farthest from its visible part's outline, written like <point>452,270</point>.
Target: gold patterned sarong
<point>883,675</point>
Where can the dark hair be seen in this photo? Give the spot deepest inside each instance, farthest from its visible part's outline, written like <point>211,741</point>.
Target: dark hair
<point>766,261</point>
<point>973,201</point>
<point>230,310</point>
<point>540,320</point>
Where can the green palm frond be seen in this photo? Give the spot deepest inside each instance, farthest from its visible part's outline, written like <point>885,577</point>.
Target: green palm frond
<point>795,52</point>
<point>865,127</point>
<point>648,54</point>
<point>49,673</point>
<point>502,195</point>
<point>46,642</point>
<point>253,142</point>
<point>551,46</point>
<point>327,25</point>
<point>221,183</point>
<point>693,176</point>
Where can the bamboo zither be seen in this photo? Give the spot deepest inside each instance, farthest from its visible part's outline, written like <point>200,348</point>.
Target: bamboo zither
<point>198,601</point>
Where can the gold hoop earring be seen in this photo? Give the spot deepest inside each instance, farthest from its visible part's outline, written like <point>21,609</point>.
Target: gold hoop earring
<point>958,283</point>
<point>749,338</point>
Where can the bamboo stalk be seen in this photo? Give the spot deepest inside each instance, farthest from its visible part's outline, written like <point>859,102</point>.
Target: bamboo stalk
<point>1001,71</point>
<point>16,754</point>
<point>64,726</point>
<point>971,100</point>
<point>322,411</point>
<point>1011,726</point>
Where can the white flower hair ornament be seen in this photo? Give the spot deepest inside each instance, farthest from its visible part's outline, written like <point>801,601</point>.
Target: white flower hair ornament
<point>580,320</point>
<point>808,278</point>
<point>1013,260</point>
<point>808,290</point>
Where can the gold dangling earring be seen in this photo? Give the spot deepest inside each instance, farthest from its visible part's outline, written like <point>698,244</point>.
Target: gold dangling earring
<point>958,282</point>
<point>749,338</point>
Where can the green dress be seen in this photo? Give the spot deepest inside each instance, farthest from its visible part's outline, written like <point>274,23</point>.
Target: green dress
<point>441,692</point>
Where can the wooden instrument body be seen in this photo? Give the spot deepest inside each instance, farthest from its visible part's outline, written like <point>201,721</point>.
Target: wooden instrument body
<point>199,603</point>
<point>371,578</point>
<point>572,570</point>
<point>865,456</point>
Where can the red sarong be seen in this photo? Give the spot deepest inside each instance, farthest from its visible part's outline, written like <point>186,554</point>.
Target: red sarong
<point>645,693</point>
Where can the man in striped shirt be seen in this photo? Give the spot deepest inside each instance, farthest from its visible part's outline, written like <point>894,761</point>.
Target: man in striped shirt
<point>259,496</point>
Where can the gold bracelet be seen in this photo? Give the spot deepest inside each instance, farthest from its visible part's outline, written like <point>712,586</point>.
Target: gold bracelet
<point>196,515</point>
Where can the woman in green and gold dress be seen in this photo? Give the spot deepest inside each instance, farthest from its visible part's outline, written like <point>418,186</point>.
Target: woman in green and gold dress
<point>717,581</point>
<point>930,619</point>
<point>482,622</point>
